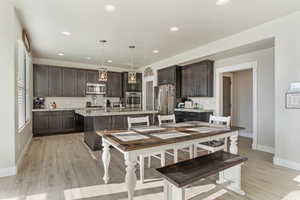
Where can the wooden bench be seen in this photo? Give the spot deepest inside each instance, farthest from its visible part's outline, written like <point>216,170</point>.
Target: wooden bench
<point>182,174</point>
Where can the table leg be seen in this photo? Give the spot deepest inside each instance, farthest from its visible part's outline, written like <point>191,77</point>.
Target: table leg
<point>234,173</point>
<point>105,160</point>
<point>142,168</point>
<point>130,178</point>
<point>191,152</point>
<point>163,159</point>
<point>175,155</point>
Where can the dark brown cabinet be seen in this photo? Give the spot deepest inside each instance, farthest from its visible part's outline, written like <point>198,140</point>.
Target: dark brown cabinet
<point>114,84</point>
<point>68,121</point>
<point>92,77</point>
<point>132,87</point>
<point>69,82</point>
<point>54,122</point>
<point>81,83</point>
<point>170,75</point>
<point>197,79</point>
<point>182,116</point>
<point>40,81</point>
<point>55,82</point>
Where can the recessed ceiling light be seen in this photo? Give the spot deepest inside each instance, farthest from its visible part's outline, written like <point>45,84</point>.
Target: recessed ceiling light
<point>88,58</point>
<point>66,33</point>
<point>110,8</point>
<point>222,2</point>
<point>155,51</point>
<point>109,61</point>
<point>61,54</point>
<point>174,29</point>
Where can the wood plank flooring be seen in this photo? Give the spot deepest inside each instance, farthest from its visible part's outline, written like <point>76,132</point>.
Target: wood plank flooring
<point>62,168</point>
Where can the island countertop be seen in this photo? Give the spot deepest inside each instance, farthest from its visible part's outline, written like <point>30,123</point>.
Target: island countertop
<point>96,113</point>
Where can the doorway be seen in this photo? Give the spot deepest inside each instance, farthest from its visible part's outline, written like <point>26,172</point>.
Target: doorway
<point>219,93</point>
<point>227,95</point>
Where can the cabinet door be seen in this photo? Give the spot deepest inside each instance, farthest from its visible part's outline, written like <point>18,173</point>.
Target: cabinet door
<point>40,123</point>
<point>55,122</point>
<point>102,123</point>
<point>81,83</point>
<point>92,76</point>
<point>55,81</point>
<point>68,121</point>
<point>167,76</point>
<point>40,81</point>
<point>119,122</point>
<point>187,85</point>
<point>69,82</point>
<point>114,84</point>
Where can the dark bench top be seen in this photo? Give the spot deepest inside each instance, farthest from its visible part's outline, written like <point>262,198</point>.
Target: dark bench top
<point>186,172</point>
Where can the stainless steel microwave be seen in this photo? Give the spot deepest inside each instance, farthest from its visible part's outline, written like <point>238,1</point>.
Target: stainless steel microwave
<point>95,89</point>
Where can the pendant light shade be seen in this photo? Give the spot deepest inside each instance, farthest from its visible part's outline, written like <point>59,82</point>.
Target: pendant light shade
<point>132,74</point>
<point>102,71</point>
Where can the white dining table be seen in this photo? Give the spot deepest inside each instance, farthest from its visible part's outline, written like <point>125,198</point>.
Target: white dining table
<point>135,143</point>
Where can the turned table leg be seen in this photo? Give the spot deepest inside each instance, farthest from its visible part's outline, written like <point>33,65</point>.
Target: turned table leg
<point>234,174</point>
<point>130,178</point>
<point>105,160</point>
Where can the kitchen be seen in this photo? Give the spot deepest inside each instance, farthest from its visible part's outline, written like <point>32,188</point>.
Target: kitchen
<point>149,99</point>
<point>79,94</point>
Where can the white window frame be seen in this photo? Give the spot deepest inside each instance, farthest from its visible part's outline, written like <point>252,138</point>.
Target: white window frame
<point>23,87</point>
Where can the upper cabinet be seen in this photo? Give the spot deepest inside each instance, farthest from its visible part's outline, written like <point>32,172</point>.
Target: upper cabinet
<point>52,81</point>
<point>197,79</point>
<point>92,77</point>
<point>132,87</point>
<point>41,85</point>
<point>55,82</point>
<point>170,75</point>
<point>114,84</point>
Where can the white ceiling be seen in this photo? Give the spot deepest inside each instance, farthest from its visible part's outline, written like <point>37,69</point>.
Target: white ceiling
<point>144,23</point>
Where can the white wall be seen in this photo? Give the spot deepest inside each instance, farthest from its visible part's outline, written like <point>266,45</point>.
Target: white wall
<point>24,136</point>
<point>242,102</point>
<point>7,88</point>
<point>287,49</point>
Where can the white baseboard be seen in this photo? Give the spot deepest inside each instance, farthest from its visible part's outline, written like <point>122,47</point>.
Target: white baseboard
<point>264,148</point>
<point>286,163</point>
<point>21,157</point>
<point>246,134</point>
<point>11,171</point>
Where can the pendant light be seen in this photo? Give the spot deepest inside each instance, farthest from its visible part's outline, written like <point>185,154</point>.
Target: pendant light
<point>132,74</point>
<point>102,70</point>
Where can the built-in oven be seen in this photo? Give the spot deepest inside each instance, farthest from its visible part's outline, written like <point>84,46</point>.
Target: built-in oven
<point>95,89</point>
<point>134,100</point>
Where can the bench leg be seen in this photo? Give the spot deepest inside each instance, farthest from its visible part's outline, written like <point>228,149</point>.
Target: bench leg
<point>142,169</point>
<point>172,192</point>
<point>234,175</point>
<point>175,155</point>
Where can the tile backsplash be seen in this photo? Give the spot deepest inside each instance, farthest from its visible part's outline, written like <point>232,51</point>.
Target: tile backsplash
<point>208,103</point>
<point>76,102</point>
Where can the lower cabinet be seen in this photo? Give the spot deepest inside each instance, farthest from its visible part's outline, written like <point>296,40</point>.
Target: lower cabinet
<point>55,122</point>
<point>182,116</point>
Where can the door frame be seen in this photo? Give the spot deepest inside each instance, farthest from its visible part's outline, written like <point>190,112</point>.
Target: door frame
<point>230,75</point>
<point>219,92</point>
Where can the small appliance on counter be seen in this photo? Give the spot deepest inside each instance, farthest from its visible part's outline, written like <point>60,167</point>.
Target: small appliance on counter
<point>39,103</point>
<point>188,104</point>
<point>180,105</point>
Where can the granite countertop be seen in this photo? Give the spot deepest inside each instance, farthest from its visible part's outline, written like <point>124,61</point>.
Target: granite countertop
<point>192,110</point>
<point>96,113</point>
<point>63,109</point>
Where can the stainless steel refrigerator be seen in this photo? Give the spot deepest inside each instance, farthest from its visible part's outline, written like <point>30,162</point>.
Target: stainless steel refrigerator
<point>165,99</point>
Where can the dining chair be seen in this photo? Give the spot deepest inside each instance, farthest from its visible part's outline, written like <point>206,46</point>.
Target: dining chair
<point>215,145</point>
<point>144,121</point>
<point>165,119</point>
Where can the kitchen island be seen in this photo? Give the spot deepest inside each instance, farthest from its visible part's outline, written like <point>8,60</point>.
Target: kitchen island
<point>97,120</point>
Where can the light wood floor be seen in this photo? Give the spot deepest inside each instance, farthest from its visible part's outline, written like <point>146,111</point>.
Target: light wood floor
<point>61,167</point>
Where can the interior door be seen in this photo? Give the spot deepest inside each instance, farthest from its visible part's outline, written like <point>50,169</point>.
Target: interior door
<point>226,96</point>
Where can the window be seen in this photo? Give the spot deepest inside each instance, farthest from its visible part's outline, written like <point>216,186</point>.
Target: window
<point>23,86</point>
